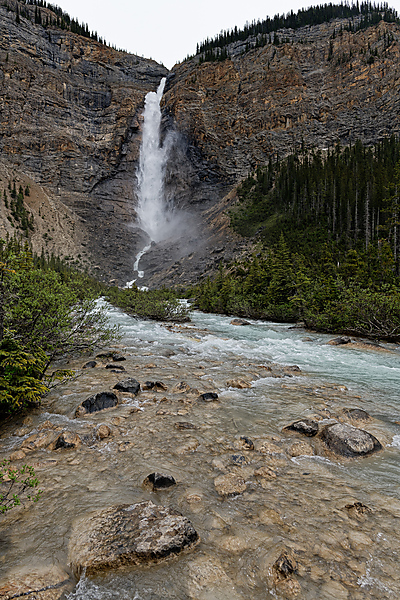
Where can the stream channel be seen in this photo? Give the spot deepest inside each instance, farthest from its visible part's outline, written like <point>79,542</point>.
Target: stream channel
<point>305,503</point>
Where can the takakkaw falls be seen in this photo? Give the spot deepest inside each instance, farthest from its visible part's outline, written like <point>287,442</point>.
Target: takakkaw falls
<point>200,311</point>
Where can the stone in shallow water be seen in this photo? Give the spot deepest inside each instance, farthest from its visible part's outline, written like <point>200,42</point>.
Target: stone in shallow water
<point>349,441</point>
<point>103,431</point>
<point>159,481</point>
<point>246,443</point>
<point>90,364</point>
<point>229,485</point>
<point>96,403</point>
<point>67,439</point>
<point>300,449</point>
<point>130,386</point>
<point>208,397</point>
<point>185,425</point>
<point>128,535</point>
<point>40,584</point>
<point>40,440</point>
<point>356,414</point>
<point>340,341</point>
<point>240,384</point>
<point>307,427</point>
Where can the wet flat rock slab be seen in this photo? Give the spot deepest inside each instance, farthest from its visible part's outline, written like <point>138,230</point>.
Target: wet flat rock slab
<point>129,535</point>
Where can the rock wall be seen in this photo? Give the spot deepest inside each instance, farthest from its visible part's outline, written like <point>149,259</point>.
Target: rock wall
<point>70,112</point>
<point>70,123</point>
<point>321,85</point>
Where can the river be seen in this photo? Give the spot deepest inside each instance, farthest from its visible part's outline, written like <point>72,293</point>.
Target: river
<point>300,507</point>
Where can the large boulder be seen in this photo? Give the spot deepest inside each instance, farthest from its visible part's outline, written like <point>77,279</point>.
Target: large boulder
<point>349,441</point>
<point>96,403</point>
<point>128,535</point>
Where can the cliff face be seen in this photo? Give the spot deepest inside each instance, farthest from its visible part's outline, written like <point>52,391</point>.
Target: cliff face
<point>70,126</point>
<point>314,87</point>
<point>321,85</point>
<point>70,111</point>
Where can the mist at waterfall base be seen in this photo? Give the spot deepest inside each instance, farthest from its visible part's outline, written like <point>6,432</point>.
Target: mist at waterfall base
<point>157,216</point>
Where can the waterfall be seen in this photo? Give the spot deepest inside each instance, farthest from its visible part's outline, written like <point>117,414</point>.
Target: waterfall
<point>153,213</point>
<point>155,217</point>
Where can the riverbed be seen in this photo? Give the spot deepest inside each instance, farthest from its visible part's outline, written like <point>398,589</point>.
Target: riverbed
<point>337,518</point>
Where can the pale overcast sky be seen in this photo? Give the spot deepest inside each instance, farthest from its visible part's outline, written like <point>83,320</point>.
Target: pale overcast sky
<point>169,31</point>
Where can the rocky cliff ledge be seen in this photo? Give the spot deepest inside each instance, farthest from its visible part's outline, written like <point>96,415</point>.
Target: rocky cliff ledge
<point>70,111</point>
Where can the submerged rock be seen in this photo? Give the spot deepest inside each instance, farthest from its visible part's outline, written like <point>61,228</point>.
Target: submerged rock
<point>240,384</point>
<point>208,397</point>
<point>230,484</point>
<point>358,508</point>
<point>103,431</point>
<point>159,481</point>
<point>130,386</point>
<point>47,583</point>
<point>240,322</point>
<point>97,402</point>
<point>181,387</point>
<point>346,440</point>
<point>284,569</point>
<point>300,448</point>
<point>128,535</point>
<point>67,439</point>
<point>340,341</point>
<point>185,425</point>
<point>307,427</point>
<point>246,443</point>
<point>286,564</point>
<point>148,385</point>
<point>17,455</point>
<point>115,367</point>
<point>159,386</point>
<point>90,364</point>
<point>356,414</point>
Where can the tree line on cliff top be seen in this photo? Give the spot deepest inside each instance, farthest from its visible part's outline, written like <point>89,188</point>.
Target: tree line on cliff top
<point>327,229</point>
<point>50,15</point>
<point>359,16</point>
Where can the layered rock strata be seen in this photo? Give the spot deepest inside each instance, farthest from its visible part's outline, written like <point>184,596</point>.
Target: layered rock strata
<point>70,126</point>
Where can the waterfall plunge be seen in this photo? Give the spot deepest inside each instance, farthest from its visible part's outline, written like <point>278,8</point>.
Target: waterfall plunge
<point>155,217</point>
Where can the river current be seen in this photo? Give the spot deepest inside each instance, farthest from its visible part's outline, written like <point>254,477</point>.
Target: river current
<point>304,506</point>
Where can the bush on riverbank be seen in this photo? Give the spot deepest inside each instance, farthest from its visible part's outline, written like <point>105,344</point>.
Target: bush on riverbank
<point>160,305</point>
<point>44,315</point>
